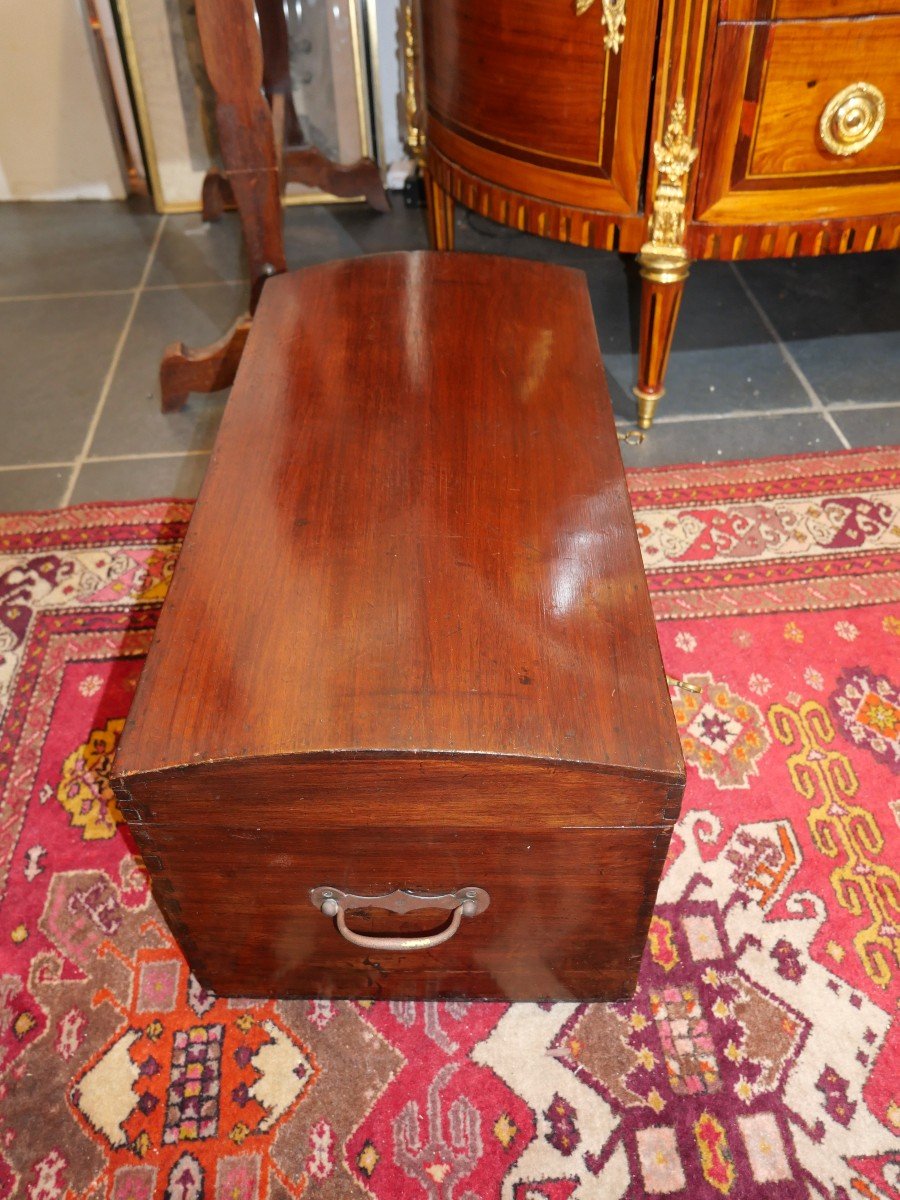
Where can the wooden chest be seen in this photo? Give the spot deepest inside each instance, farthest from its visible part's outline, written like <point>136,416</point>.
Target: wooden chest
<point>406,687</point>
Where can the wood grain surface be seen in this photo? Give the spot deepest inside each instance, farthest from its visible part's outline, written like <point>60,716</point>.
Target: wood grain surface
<point>567,918</point>
<point>414,534</point>
<point>524,93</point>
<point>409,635</point>
<point>793,10</point>
<point>762,158</point>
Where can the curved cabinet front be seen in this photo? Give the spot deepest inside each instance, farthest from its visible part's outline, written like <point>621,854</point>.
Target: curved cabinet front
<point>534,99</point>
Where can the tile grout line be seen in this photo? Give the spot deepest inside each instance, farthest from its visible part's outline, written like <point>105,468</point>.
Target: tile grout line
<point>814,397</point>
<point>111,371</point>
<point>32,296</point>
<point>36,466</point>
<point>734,414</point>
<point>183,285</point>
<point>745,414</point>
<point>195,283</point>
<point>154,454</point>
<point>105,458</point>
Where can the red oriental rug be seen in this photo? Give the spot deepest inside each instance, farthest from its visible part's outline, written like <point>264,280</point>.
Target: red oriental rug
<point>758,1057</point>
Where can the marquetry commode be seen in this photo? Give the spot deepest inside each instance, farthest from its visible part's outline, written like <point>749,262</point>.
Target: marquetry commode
<point>674,129</point>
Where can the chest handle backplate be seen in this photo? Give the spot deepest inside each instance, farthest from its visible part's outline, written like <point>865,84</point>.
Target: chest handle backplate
<point>465,902</point>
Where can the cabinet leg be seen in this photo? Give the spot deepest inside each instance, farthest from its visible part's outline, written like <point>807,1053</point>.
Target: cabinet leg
<point>440,214</point>
<point>662,286</point>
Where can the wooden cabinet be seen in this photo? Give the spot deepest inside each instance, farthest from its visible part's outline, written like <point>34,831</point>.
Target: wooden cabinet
<point>562,121</point>
<point>673,129</point>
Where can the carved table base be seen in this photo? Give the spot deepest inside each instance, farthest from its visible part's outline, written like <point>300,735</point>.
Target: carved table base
<point>309,166</point>
<point>257,129</point>
<point>209,369</point>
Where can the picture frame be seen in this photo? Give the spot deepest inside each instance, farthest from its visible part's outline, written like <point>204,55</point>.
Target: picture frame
<point>333,88</point>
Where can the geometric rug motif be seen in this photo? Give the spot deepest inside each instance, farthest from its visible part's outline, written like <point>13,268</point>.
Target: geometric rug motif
<point>758,1056</point>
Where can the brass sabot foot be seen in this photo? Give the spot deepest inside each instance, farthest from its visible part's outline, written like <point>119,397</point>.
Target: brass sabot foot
<point>646,406</point>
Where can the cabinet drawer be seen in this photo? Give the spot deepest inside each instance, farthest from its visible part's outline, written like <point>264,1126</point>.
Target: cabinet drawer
<point>804,121</point>
<point>803,10</point>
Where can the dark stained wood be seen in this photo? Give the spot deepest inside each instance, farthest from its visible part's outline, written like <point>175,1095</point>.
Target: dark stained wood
<point>209,369</point>
<point>309,166</point>
<point>523,93</point>
<point>567,919</point>
<point>233,57</point>
<point>409,644</point>
<point>476,473</point>
<point>216,196</point>
<point>446,788</point>
<point>232,53</point>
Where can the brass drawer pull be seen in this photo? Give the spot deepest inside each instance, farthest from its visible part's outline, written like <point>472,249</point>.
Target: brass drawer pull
<point>466,902</point>
<point>852,119</point>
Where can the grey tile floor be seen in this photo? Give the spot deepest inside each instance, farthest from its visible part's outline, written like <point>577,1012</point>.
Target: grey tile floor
<point>770,358</point>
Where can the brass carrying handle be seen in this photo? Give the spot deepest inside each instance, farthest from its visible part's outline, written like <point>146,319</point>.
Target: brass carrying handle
<point>466,902</point>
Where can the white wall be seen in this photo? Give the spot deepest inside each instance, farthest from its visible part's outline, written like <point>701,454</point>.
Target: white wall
<point>55,139</point>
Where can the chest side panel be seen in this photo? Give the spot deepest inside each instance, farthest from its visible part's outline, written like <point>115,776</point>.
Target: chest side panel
<point>567,918</point>
<point>569,858</point>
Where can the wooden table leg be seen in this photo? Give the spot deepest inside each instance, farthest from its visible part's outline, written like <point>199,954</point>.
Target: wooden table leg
<point>308,165</point>
<point>232,52</point>
<point>662,286</point>
<point>216,196</point>
<point>183,371</point>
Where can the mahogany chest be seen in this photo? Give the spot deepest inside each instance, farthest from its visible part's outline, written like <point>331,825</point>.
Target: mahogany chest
<point>404,729</point>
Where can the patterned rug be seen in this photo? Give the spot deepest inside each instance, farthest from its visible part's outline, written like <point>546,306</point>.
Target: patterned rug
<point>757,1058</point>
